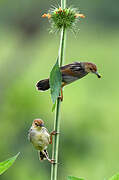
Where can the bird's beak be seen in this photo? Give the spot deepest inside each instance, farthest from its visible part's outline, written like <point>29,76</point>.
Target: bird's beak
<point>41,125</point>
<point>98,75</point>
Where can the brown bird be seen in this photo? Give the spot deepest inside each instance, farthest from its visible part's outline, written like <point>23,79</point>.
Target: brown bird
<point>41,138</point>
<point>70,73</point>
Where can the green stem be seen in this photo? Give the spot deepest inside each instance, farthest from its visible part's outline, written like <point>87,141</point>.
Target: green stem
<point>62,47</point>
<point>63,4</point>
<point>54,167</point>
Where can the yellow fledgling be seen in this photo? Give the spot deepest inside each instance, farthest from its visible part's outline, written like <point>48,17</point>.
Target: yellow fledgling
<point>40,138</point>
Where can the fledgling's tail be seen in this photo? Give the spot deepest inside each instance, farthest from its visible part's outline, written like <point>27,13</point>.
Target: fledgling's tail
<point>43,85</point>
<point>42,155</point>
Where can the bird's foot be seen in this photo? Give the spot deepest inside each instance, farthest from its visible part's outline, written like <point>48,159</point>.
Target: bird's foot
<point>52,161</point>
<point>54,133</point>
<point>60,97</point>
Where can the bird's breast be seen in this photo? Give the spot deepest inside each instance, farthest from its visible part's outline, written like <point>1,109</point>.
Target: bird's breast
<point>39,139</point>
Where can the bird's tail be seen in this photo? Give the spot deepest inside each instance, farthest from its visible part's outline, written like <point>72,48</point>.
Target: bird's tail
<point>42,154</point>
<point>43,85</point>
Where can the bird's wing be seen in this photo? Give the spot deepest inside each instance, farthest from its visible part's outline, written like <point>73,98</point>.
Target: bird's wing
<point>71,69</point>
<point>45,131</point>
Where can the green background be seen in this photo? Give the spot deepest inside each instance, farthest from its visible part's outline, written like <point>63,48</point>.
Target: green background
<point>89,138</point>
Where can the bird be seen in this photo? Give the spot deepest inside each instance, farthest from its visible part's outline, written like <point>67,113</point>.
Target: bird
<point>70,73</point>
<point>41,138</point>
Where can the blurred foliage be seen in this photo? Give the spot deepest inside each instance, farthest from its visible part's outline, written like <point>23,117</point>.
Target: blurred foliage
<point>89,143</point>
<point>115,177</point>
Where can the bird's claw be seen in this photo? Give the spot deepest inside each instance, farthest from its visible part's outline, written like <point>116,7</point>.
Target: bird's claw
<point>52,161</point>
<point>60,97</point>
<point>54,132</point>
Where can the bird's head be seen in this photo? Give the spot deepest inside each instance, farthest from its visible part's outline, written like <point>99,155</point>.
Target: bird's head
<point>38,123</point>
<point>90,67</point>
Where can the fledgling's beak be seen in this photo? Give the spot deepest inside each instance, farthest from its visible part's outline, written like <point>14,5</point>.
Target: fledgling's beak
<point>41,125</point>
<point>98,75</point>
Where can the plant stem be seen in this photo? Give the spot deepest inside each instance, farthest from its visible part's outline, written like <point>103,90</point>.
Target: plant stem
<point>62,47</point>
<point>63,4</point>
<point>54,167</point>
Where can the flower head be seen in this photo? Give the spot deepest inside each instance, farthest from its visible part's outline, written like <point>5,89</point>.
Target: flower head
<point>59,18</point>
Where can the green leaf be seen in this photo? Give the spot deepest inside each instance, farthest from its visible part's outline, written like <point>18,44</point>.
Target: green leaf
<point>6,164</point>
<point>73,178</point>
<point>55,82</point>
<point>115,177</point>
